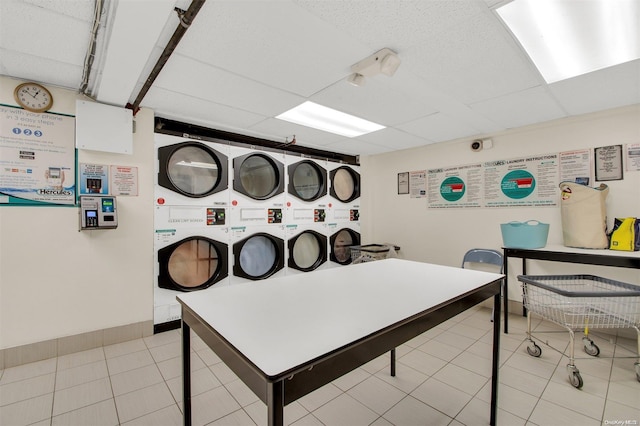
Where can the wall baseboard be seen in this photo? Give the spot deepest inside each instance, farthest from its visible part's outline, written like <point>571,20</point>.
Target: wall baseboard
<point>19,355</point>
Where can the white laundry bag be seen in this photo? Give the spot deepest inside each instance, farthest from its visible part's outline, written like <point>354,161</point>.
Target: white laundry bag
<point>584,215</point>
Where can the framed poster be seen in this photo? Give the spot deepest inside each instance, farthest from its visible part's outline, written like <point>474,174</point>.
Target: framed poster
<point>37,158</point>
<point>403,183</point>
<point>608,163</point>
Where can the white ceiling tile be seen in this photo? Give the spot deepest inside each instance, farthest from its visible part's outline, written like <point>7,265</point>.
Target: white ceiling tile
<point>185,75</point>
<point>477,61</point>
<point>276,43</point>
<point>376,101</point>
<point>126,56</point>
<point>522,108</point>
<point>356,147</point>
<point>438,128</point>
<point>39,69</point>
<point>608,88</point>
<point>198,111</point>
<point>78,9</point>
<point>394,139</point>
<point>304,135</point>
<point>49,38</point>
<point>242,62</point>
<point>393,24</point>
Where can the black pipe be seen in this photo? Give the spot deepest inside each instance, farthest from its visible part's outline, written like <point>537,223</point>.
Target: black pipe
<point>186,19</point>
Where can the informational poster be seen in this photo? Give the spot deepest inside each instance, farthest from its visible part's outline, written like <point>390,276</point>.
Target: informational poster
<point>94,179</point>
<point>608,163</point>
<point>633,157</point>
<point>459,186</point>
<point>527,181</point>
<point>575,166</point>
<point>124,180</point>
<point>403,183</point>
<point>418,184</point>
<point>37,158</point>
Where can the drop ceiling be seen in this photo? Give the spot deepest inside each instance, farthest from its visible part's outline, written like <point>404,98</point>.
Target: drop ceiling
<point>241,63</point>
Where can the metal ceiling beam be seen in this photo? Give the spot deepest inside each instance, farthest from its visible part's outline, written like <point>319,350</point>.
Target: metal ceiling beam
<point>186,18</point>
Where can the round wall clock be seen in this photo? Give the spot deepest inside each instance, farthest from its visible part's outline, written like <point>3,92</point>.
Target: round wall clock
<point>33,97</point>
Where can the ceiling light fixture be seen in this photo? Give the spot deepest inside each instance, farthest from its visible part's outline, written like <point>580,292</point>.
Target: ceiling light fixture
<point>567,38</point>
<point>384,61</point>
<point>330,120</point>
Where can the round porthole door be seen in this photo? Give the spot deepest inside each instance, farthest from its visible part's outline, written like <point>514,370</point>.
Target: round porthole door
<point>193,263</point>
<point>192,169</point>
<point>307,180</point>
<point>258,256</point>
<point>341,243</point>
<point>345,184</point>
<point>258,176</point>
<point>307,251</point>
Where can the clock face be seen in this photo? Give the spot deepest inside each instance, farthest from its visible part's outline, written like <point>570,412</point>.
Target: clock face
<point>33,97</point>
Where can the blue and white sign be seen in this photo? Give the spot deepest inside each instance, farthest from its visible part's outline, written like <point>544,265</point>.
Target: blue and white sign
<point>37,158</point>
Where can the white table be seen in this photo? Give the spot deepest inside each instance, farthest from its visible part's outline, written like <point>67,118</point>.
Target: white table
<point>286,337</point>
<point>560,253</point>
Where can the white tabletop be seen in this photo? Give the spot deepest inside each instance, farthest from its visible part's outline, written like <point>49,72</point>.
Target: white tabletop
<point>600,252</point>
<point>282,323</point>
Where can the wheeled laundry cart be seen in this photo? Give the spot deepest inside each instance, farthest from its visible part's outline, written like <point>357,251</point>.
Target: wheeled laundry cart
<point>581,302</point>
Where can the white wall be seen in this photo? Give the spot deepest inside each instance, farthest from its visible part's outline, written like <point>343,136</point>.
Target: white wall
<point>56,281</point>
<point>443,235</point>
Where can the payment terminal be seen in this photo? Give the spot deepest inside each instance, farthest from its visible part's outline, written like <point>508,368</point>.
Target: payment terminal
<point>98,212</point>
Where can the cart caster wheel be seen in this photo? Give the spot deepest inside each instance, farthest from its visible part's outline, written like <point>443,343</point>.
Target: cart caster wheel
<point>637,365</point>
<point>576,379</point>
<point>592,349</point>
<point>535,350</point>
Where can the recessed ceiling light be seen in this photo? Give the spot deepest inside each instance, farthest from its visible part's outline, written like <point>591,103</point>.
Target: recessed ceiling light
<point>330,120</point>
<point>567,38</point>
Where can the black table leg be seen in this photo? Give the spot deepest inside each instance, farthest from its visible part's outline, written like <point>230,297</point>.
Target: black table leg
<point>393,362</point>
<point>275,403</point>
<point>186,373</point>
<point>524,272</point>
<point>505,292</point>
<point>495,364</point>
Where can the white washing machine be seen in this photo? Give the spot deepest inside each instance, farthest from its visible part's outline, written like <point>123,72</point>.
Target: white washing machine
<point>257,188</point>
<point>343,235</point>
<point>344,192</point>
<point>191,253</point>
<point>191,172</point>
<point>257,252</point>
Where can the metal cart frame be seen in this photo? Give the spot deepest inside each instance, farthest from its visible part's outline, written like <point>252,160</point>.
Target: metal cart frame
<point>581,302</point>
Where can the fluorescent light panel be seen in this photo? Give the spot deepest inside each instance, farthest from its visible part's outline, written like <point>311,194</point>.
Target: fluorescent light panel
<point>330,120</point>
<point>567,38</point>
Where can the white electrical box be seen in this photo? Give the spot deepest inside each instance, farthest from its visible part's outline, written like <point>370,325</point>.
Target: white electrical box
<point>105,128</point>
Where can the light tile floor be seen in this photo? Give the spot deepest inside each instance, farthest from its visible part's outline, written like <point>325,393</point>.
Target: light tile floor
<point>443,378</point>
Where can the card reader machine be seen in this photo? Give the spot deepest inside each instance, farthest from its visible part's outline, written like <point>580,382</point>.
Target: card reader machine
<point>98,212</point>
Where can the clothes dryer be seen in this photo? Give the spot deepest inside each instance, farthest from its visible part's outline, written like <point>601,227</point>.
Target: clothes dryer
<point>191,254</point>
<point>191,172</point>
<point>343,236</point>
<point>307,247</point>
<point>344,191</point>
<point>307,197</point>
<point>257,196</point>
<point>258,252</point>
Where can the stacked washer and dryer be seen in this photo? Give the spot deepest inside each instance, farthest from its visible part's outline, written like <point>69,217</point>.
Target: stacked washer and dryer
<point>345,220</point>
<point>227,214</point>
